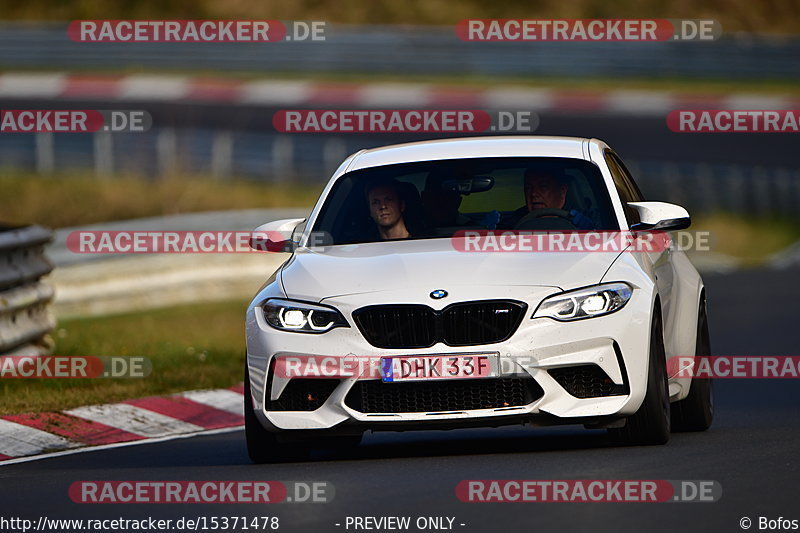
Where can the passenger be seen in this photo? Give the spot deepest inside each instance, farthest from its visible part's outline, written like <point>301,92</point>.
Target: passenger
<point>386,208</point>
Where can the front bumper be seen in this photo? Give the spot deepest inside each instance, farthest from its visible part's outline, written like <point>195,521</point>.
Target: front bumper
<point>617,344</point>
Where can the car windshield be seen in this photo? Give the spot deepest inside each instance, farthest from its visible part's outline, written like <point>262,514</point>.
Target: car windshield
<point>435,199</point>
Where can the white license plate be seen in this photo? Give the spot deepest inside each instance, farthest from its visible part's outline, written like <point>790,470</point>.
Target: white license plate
<point>438,367</point>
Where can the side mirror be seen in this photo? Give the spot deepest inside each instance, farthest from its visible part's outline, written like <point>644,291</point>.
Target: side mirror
<point>660,216</point>
<point>275,236</point>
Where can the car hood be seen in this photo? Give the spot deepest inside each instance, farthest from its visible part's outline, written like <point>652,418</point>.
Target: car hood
<point>314,275</point>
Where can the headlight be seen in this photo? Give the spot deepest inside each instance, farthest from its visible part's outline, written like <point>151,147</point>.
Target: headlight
<point>585,303</point>
<point>287,315</point>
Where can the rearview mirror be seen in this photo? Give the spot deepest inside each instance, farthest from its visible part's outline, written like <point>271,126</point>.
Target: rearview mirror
<point>275,236</point>
<point>466,186</point>
<point>660,216</point>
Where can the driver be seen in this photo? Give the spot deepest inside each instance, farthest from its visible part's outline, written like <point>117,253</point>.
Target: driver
<point>548,190</point>
<point>544,191</point>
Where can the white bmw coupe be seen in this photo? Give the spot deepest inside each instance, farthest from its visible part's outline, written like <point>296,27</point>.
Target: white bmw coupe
<point>475,282</point>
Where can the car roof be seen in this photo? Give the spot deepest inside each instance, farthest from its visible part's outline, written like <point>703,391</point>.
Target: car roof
<point>471,147</point>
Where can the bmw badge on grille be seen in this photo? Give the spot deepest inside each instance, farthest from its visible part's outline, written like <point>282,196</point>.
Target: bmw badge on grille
<point>438,294</point>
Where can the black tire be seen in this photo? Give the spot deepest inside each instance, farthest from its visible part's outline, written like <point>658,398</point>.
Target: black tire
<point>651,423</point>
<point>696,411</point>
<point>262,445</point>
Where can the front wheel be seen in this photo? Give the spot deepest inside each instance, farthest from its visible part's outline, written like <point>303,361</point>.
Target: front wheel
<point>696,411</point>
<point>651,423</point>
<point>262,445</point>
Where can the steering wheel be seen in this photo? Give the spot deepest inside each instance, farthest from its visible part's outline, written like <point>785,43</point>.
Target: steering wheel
<point>531,220</point>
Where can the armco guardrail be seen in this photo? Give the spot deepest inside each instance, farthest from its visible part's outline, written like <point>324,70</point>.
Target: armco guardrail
<point>25,316</point>
<point>100,284</point>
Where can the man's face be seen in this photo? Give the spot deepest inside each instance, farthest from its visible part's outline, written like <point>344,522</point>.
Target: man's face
<point>385,206</point>
<point>543,191</point>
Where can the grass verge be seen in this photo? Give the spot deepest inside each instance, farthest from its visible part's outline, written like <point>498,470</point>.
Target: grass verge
<point>74,200</point>
<point>751,240</point>
<point>194,346</point>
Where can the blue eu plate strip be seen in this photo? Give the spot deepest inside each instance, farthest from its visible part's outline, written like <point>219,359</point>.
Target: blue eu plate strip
<point>386,369</point>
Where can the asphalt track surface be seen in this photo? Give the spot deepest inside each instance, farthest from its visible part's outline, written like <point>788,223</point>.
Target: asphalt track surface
<point>751,450</point>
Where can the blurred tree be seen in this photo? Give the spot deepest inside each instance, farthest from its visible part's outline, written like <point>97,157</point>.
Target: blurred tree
<point>767,16</point>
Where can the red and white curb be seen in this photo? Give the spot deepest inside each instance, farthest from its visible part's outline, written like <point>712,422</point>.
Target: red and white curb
<point>140,419</point>
<point>288,93</point>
